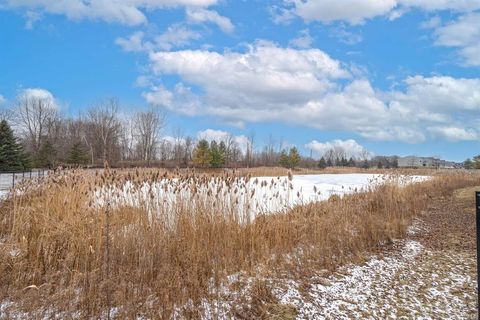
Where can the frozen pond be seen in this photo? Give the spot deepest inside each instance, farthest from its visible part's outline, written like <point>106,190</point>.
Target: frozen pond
<point>242,196</point>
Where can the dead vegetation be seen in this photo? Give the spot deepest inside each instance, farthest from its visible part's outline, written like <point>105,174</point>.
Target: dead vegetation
<point>61,254</point>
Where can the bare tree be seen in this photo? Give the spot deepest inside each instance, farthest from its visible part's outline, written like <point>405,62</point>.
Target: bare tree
<point>105,128</point>
<point>249,156</point>
<point>188,150</point>
<point>127,140</point>
<point>6,114</point>
<point>147,128</point>
<point>34,117</point>
<point>178,145</point>
<point>165,149</point>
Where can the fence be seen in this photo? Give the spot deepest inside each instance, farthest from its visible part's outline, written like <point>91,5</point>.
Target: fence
<point>10,179</point>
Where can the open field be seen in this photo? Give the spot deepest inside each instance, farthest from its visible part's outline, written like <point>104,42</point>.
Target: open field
<point>154,244</point>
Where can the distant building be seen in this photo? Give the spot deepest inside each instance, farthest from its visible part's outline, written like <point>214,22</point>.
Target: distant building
<point>424,162</point>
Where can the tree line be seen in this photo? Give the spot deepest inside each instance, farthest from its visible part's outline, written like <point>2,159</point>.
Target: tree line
<point>33,133</point>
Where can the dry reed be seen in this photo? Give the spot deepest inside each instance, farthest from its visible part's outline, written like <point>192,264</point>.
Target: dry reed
<point>95,261</point>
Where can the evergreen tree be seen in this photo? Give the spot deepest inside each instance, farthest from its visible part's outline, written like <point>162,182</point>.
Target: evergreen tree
<point>344,162</point>
<point>329,162</point>
<point>217,157</point>
<point>12,157</point>
<point>283,159</point>
<point>201,154</point>
<point>46,156</point>
<point>224,152</point>
<point>322,164</point>
<point>468,164</point>
<point>379,165</point>
<point>293,157</point>
<point>476,162</point>
<point>78,154</point>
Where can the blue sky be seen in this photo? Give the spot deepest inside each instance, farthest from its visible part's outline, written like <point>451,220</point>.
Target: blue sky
<point>393,76</point>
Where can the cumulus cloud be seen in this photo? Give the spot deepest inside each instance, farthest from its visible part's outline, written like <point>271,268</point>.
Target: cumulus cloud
<point>357,11</point>
<point>220,135</point>
<point>267,83</point>
<point>463,34</point>
<point>39,93</point>
<point>351,148</point>
<point>200,15</point>
<point>126,12</point>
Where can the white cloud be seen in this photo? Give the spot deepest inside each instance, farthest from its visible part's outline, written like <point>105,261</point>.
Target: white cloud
<point>464,34</point>
<point>303,41</point>
<point>264,71</point>
<point>434,5</point>
<point>357,11</point>
<point>200,15</point>
<point>351,148</point>
<point>180,100</point>
<point>308,88</point>
<point>126,12</point>
<point>218,135</point>
<point>455,133</point>
<point>2,99</point>
<point>39,93</point>
<point>352,11</point>
<point>133,43</point>
<point>176,36</point>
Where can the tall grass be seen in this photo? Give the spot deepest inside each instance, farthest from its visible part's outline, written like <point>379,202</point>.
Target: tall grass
<point>62,252</point>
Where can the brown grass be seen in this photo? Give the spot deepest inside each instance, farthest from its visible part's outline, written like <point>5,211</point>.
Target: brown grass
<point>84,259</point>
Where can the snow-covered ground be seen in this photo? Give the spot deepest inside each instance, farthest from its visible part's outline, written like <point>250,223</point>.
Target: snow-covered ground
<point>248,197</point>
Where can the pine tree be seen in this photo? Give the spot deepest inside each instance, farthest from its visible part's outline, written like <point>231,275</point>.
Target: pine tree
<point>329,162</point>
<point>283,159</point>
<point>201,154</point>
<point>468,164</point>
<point>78,154</point>
<point>12,157</point>
<point>217,156</point>
<point>46,156</point>
<point>322,164</point>
<point>476,162</point>
<point>293,157</point>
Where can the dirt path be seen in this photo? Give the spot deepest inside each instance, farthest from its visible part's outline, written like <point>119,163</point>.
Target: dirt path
<point>430,275</point>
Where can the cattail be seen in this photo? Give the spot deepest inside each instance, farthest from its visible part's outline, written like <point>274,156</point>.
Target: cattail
<point>290,175</point>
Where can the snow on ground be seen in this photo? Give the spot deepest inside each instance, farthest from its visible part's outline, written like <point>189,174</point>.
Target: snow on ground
<point>410,283</point>
<point>248,197</point>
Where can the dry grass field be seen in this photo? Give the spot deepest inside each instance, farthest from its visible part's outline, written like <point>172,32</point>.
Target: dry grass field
<point>64,254</point>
